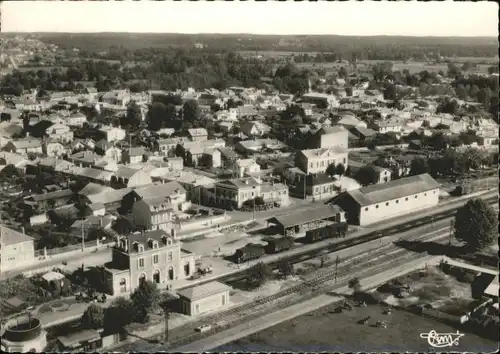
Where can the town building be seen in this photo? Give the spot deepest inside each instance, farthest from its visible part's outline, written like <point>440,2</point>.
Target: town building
<point>17,250</point>
<point>380,202</point>
<point>198,134</point>
<point>315,161</point>
<point>204,298</point>
<point>329,137</point>
<point>154,256</point>
<point>112,133</point>
<point>233,193</point>
<point>24,146</point>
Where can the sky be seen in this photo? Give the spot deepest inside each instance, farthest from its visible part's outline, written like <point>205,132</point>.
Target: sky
<point>368,18</point>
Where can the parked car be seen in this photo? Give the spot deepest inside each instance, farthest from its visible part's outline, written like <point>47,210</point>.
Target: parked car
<point>203,328</point>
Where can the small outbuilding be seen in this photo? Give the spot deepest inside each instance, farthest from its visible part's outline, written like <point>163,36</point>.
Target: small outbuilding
<point>204,298</point>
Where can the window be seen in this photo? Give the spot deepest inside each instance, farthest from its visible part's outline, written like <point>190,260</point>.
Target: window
<point>140,248</point>
<point>366,209</point>
<point>433,192</point>
<point>387,203</point>
<point>155,259</point>
<point>425,194</point>
<point>142,277</point>
<point>416,196</point>
<point>223,300</point>
<point>406,198</point>
<point>376,206</point>
<point>140,262</point>
<point>171,273</point>
<point>123,285</point>
<point>397,201</point>
<point>169,255</point>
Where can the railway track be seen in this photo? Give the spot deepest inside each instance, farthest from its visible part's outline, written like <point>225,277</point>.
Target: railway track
<point>304,291</point>
<point>381,259</point>
<point>338,246</point>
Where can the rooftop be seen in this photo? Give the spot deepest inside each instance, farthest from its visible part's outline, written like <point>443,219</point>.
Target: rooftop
<point>11,237</point>
<point>306,214</point>
<point>203,291</point>
<point>394,189</point>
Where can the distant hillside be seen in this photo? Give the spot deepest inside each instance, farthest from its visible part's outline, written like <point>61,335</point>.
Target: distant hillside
<point>463,46</point>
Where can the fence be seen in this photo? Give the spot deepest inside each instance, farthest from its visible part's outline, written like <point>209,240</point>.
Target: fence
<point>71,248</point>
<point>444,316</point>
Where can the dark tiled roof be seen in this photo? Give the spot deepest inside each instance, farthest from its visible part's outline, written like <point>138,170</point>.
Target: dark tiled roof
<point>305,215</point>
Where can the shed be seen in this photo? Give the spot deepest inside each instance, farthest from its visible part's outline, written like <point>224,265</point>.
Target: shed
<point>86,340</point>
<point>204,298</point>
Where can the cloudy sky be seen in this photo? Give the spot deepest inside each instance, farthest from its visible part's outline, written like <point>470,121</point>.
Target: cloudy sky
<point>413,18</point>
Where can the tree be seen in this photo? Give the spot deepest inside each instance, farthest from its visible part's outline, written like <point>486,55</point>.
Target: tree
<point>331,170</point>
<point>156,115</point>
<point>390,92</point>
<point>419,166</point>
<point>134,114</point>
<point>191,111</point>
<point>145,299</point>
<point>453,70</point>
<point>340,169</point>
<point>119,314</point>
<point>367,175</point>
<point>438,141</point>
<point>476,224</point>
<point>354,284</point>
<point>93,317</point>
<point>286,268</point>
<point>259,274</point>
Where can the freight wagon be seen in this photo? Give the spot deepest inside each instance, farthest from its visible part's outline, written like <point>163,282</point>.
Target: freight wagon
<point>330,231</point>
<point>279,245</point>
<point>249,252</point>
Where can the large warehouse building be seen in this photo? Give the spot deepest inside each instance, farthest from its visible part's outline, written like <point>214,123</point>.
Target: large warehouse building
<point>375,203</point>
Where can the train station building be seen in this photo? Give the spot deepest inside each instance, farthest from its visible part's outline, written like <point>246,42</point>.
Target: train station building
<point>309,218</point>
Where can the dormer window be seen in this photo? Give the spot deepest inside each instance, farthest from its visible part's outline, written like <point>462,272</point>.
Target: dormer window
<point>153,244</point>
<point>140,248</point>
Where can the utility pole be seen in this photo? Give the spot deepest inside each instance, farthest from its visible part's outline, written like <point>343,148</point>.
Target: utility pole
<point>337,260</point>
<point>451,233</point>
<point>166,313</point>
<point>83,235</point>
<point>305,187</point>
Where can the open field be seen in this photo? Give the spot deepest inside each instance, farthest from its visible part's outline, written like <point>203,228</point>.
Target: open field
<point>324,330</point>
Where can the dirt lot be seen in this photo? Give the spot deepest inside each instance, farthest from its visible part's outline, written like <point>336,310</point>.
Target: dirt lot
<point>442,291</point>
<point>324,330</point>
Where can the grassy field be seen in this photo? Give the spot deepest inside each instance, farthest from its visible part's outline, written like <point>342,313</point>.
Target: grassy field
<point>323,330</point>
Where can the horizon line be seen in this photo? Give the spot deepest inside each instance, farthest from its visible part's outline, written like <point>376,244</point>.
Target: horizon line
<point>247,33</point>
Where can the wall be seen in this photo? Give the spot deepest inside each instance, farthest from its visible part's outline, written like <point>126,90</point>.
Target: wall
<point>209,303</point>
<point>17,255</point>
<point>204,222</point>
<point>374,214</point>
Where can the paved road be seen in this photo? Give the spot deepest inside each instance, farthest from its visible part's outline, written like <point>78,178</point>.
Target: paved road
<point>88,258</point>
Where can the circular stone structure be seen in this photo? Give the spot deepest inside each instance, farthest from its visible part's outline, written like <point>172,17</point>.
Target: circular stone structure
<point>24,334</point>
